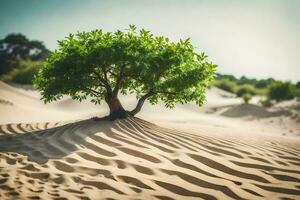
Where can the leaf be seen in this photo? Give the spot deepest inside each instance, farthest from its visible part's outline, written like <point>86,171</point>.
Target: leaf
<point>92,63</point>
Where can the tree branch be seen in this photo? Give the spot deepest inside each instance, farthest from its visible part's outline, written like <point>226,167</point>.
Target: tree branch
<point>105,74</point>
<point>115,75</point>
<point>101,84</point>
<point>99,77</point>
<point>142,100</point>
<point>96,93</point>
<point>119,80</point>
<point>104,81</point>
<point>141,103</point>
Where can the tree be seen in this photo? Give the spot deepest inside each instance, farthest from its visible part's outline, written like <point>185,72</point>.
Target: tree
<point>17,47</point>
<point>263,83</point>
<point>247,97</point>
<point>279,91</point>
<point>102,65</point>
<point>245,89</point>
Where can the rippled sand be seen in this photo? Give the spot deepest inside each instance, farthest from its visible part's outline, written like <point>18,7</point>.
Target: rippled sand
<point>135,159</point>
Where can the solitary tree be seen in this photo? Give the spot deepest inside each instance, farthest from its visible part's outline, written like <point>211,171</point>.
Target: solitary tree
<point>102,65</point>
<point>247,97</point>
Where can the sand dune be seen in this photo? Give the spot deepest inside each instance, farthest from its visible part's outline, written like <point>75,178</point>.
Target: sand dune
<point>25,106</point>
<point>135,159</point>
<point>221,109</point>
<point>224,150</point>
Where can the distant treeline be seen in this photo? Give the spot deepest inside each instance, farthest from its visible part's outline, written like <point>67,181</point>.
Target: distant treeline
<point>247,87</point>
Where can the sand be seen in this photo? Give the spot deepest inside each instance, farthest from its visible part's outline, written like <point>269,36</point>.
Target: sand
<point>57,151</point>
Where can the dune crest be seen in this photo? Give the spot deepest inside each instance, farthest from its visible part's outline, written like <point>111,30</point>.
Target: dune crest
<point>132,158</point>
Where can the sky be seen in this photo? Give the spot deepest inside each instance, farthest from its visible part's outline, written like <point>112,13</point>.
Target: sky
<point>256,38</point>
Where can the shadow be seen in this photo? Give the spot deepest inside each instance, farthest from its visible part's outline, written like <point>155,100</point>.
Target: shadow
<point>141,152</point>
<point>52,143</point>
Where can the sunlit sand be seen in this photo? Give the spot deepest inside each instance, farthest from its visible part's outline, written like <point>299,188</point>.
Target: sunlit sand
<point>57,151</point>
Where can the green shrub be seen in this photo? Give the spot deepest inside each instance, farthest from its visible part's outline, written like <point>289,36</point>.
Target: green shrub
<point>225,84</point>
<point>263,83</point>
<point>266,103</point>
<point>24,73</point>
<point>245,89</point>
<point>297,92</point>
<point>279,91</point>
<point>246,97</point>
<point>16,47</point>
<point>298,85</point>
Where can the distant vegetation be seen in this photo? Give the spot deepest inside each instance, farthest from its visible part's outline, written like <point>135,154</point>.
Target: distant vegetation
<point>226,84</point>
<point>279,91</point>
<point>20,58</point>
<point>23,73</point>
<point>246,88</point>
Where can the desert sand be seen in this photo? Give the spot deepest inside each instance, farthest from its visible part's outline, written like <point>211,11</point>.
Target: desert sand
<point>223,150</point>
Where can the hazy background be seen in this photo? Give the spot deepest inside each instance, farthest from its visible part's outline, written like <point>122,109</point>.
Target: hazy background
<point>253,38</point>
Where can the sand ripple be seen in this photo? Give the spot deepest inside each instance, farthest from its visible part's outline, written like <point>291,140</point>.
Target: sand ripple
<point>134,159</point>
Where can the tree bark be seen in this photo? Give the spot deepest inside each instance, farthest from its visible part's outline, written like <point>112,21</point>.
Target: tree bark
<point>140,103</point>
<point>116,110</point>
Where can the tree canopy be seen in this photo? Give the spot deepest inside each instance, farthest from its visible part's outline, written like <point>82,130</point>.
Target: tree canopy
<point>280,91</point>
<point>17,47</point>
<point>101,65</point>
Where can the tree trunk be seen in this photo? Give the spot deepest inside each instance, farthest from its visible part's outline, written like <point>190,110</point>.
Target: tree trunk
<point>116,110</point>
<point>140,103</point>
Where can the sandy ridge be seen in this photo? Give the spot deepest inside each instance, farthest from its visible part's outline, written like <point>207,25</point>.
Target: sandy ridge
<point>132,158</point>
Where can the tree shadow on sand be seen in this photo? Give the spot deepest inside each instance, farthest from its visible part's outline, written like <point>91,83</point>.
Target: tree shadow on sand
<point>58,142</point>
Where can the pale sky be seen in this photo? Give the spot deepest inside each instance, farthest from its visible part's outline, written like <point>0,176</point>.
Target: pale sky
<point>243,37</point>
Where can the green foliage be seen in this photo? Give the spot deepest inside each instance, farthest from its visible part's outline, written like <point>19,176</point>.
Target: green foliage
<point>297,92</point>
<point>279,91</point>
<point>263,83</point>
<point>245,89</point>
<point>245,80</point>
<point>247,97</point>
<point>15,48</point>
<point>25,72</point>
<point>237,85</point>
<point>259,84</point>
<point>225,76</point>
<point>99,64</point>
<point>266,103</point>
<point>226,84</point>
